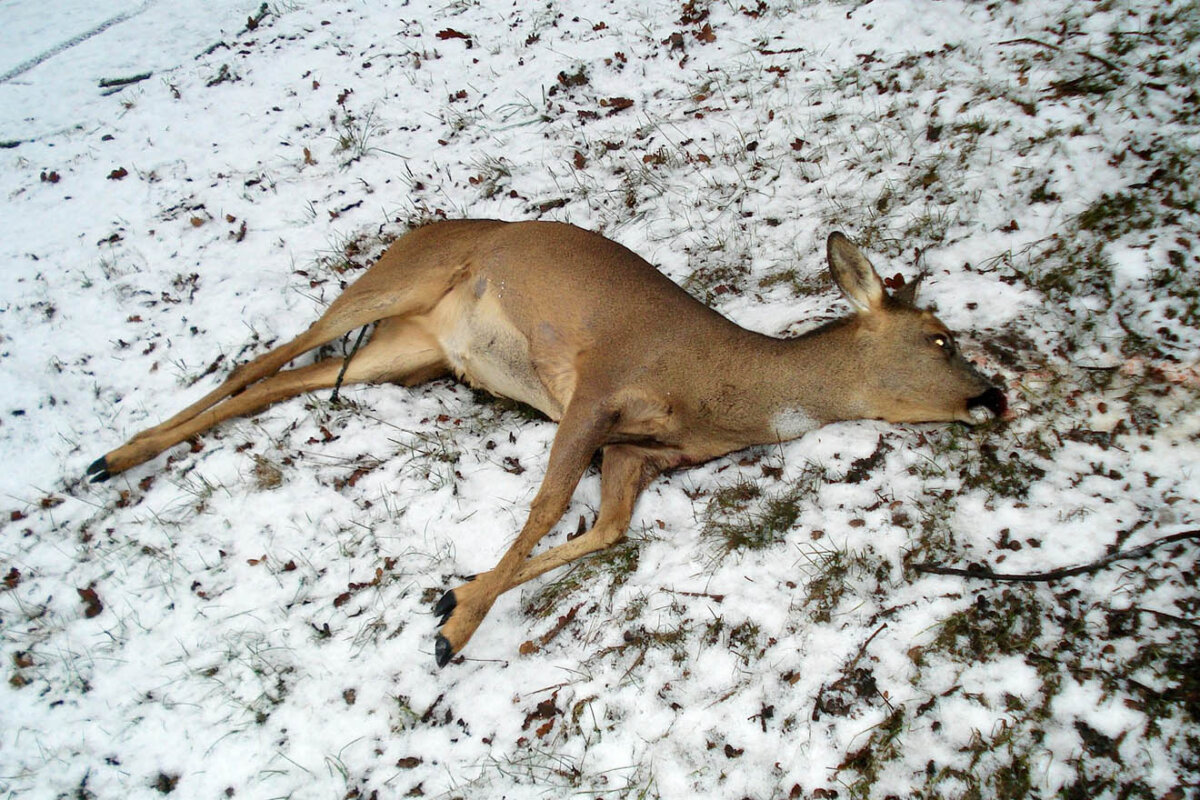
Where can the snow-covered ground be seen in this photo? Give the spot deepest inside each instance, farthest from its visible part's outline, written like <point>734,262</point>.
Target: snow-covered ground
<point>250,617</point>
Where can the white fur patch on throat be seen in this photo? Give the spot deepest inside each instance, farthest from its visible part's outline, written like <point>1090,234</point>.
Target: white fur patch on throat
<point>792,422</point>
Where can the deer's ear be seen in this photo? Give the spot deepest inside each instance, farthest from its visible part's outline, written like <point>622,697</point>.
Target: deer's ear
<point>907,294</point>
<point>853,274</point>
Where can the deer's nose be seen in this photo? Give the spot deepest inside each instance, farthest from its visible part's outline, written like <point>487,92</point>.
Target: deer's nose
<point>993,400</point>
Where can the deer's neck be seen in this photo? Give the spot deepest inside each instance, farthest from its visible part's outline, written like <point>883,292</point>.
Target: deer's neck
<point>792,386</point>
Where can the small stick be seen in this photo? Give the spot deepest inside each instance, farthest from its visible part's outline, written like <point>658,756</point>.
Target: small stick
<point>986,573</point>
<point>337,385</point>
<point>1038,43</point>
<point>112,83</point>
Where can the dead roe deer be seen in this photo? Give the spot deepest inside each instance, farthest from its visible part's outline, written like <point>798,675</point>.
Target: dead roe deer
<point>625,361</point>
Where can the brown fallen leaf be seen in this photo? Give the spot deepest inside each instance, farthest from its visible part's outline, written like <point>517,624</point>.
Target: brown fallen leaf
<point>91,602</point>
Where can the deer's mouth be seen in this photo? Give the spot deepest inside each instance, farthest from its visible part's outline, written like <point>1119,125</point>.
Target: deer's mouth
<point>993,400</point>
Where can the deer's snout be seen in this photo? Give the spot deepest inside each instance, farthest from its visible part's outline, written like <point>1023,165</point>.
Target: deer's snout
<point>992,399</point>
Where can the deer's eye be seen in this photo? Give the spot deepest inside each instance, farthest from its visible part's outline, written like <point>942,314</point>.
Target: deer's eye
<point>941,341</point>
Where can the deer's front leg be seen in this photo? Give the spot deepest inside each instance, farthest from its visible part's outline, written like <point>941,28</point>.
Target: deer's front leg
<point>582,430</point>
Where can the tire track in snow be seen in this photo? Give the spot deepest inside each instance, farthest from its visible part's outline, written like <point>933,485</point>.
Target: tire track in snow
<point>75,40</point>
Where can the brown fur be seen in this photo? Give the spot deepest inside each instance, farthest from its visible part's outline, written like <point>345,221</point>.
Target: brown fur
<point>627,362</point>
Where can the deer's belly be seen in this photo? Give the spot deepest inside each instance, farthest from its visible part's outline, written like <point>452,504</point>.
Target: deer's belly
<point>488,351</point>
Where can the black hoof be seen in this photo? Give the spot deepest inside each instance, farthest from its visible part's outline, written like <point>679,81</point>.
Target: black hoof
<point>443,651</point>
<point>98,471</point>
<point>445,607</point>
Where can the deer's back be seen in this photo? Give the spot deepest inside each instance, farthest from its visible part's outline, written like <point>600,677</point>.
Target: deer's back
<point>535,306</point>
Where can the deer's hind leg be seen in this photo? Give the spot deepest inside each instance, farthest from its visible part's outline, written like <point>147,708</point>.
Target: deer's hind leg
<point>398,351</point>
<point>412,277</point>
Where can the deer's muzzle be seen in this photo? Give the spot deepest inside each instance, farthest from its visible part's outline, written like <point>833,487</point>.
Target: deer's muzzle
<point>993,400</point>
